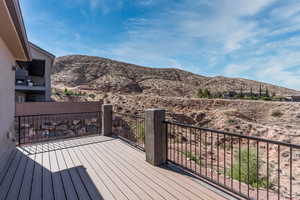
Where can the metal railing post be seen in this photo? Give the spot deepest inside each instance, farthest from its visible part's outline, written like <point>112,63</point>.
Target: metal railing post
<point>155,137</point>
<point>19,130</point>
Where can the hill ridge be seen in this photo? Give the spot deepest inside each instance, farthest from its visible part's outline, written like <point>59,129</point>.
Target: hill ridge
<point>109,75</point>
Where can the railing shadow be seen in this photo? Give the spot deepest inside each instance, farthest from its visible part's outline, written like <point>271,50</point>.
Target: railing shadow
<point>44,147</point>
<point>26,178</point>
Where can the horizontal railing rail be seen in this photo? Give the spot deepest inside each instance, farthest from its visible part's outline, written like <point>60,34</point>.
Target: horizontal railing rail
<point>237,135</point>
<point>40,115</point>
<point>130,127</point>
<point>252,167</point>
<point>45,127</point>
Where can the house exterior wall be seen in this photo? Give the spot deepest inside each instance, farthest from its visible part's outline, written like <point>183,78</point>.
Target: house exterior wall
<point>7,99</point>
<point>37,54</point>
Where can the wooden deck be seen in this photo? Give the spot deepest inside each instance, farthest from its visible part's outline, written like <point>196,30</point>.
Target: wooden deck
<point>94,168</point>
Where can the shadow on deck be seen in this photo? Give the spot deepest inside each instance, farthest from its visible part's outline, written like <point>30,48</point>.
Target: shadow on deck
<point>95,167</point>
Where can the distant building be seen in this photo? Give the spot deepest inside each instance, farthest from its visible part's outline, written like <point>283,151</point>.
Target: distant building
<point>230,94</point>
<point>295,98</point>
<point>33,82</point>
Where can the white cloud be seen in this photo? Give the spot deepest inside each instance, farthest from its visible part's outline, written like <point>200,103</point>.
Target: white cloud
<point>235,70</point>
<point>290,9</point>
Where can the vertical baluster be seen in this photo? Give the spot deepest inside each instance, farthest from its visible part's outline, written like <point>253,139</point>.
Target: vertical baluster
<point>201,161</point>
<point>291,172</point>
<point>218,157</point>
<point>257,168</point>
<point>278,173</point>
<point>211,156</point>
<point>268,171</point>
<point>205,153</point>
<point>240,165</point>
<point>190,142</point>
<point>231,161</point>
<point>195,149</point>
<point>248,166</point>
<point>186,143</point>
<point>224,159</point>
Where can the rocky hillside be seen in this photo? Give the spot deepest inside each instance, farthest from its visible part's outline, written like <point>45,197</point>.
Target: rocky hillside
<point>112,76</point>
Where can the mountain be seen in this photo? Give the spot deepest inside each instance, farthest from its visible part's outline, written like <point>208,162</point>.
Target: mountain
<point>107,75</point>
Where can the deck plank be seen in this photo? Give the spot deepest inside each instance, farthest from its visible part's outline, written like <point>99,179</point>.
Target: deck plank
<point>90,186</point>
<point>37,182</point>
<point>8,179</point>
<point>48,193</point>
<point>180,182</point>
<point>66,177</point>
<point>5,164</point>
<point>25,190</point>
<point>97,179</point>
<point>58,190</point>
<point>115,189</point>
<point>166,187</point>
<point>18,179</point>
<point>120,180</point>
<point>140,185</point>
<point>78,184</point>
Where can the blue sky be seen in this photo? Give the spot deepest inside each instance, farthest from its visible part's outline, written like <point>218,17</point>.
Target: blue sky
<point>255,39</point>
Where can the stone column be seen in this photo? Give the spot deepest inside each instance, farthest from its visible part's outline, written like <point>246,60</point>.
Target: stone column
<point>106,120</point>
<point>155,137</point>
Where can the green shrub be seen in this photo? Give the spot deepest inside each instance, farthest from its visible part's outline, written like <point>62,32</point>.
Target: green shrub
<point>204,93</point>
<point>68,92</point>
<point>93,96</point>
<point>200,93</point>
<point>140,131</point>
<point>277,113</point>
<point>72,93</point>
<point>232,121</point>
<point>192,157</point>
<point>278,98</point>
<point>265,98</point>
<point>240,172</point>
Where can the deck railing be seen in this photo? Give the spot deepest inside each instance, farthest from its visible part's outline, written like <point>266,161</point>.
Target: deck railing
<point>39,128</point>
<point>254,168</point>
<point>130,127</point>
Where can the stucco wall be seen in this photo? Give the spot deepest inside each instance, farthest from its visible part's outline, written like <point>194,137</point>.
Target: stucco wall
<point>37,54</point>
<point>7,99</point>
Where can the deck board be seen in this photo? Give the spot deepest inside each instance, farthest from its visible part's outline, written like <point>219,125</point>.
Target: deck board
<point>18,179</point>
<point>58,190</point>
<point>36,189</point>
<point>93,168</point>
<point>78,184</point>
<point>165,175</point>
<point>167,191</point>
<point>48,193</point>
<point>25,189</point>
<point>66,177</point>
<point>9,176</point>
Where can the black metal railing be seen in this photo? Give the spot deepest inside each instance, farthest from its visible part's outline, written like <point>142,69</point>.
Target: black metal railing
<point>130,127</point>
<point>44,127</point>
<point>254,168</point>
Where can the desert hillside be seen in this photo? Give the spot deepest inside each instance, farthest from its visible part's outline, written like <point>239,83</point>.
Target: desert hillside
<point>112,76</point>
<point>132,89</point>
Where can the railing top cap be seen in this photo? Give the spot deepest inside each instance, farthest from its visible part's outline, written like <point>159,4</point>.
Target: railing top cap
<point>155,109</point>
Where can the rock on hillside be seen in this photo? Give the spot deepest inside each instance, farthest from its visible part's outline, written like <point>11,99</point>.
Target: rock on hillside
<point>112,76</point>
